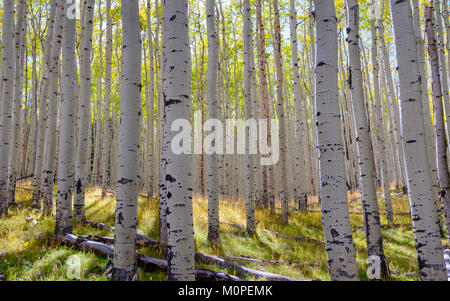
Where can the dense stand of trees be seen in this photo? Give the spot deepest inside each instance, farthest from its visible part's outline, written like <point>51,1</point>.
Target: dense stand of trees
<point>97,99</point>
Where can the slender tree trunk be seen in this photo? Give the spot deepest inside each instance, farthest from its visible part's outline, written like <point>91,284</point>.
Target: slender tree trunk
<point>14,150</point>
<point>130,115</point>
<point>420,190</point>
<point>212,186</point>
<point>66,139</point>
<point>51,130</point>
<point>106,137</point>
<point>439,125</point>
<point>44,93</point>
<point>333,189</point>
<point>301,128</point>
<point>281,116</point>
<point>268,181</point>
<point>249,175</point>
<point>180,228</point>
<point>8,73</point>
<point>82,156</point>
<point>364,142</point>
<point>381,126</point>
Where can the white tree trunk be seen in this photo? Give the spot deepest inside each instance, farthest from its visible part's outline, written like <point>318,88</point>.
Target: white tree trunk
<point>51,129</point>
<point>130,116</point>
<point>439,125</point>
<point>83,151</point>
<point>180,228</point>
<point>67,129</point>
<point>363,139</point>
<point>381,126</point>
<point>8,73</point>
<point>106,136</point>
<point>300,128</point>
<point>212,178</point>
<point>420,190</point>
<point>43,95</point>
<point>333,189</point>
<point>20,45</point>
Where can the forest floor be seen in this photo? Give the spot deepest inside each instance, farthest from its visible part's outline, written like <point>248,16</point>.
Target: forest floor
<point>23,257</point>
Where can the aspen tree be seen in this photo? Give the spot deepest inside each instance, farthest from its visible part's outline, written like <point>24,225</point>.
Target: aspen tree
<point>180,230</point>
<point>50,136</point>
<point>150,105</point>
<point>380,126</point>
<point>249,172</point>
<point>106,136</point>
<point>82,157</point>
<point>130,115</point>
<point>20,45</point>
<point>8,73</point>
<point>212,186</point>
<point>43,96</point>
<point>301,128</point>
<point>333,190</point>
<point>363,139</point>
<point>281,116</point>
<point>439,125</point>
<point>420,190</point>
<point>268,181</point>
<point>67,129</point>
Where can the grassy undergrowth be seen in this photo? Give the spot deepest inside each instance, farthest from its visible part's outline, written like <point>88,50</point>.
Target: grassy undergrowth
<point>22,257</point>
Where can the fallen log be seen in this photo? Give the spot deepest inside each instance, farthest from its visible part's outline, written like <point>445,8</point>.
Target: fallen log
<point>146,262</point>
<point>206,259</point>
<point>210,259</point>
<point>142,239</point>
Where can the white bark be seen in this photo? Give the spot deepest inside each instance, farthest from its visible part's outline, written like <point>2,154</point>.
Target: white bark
<point>363,139</point>
<point>43,96</point>
<point>212,178</point>
<point>106,136</point>
<point>333,189</point>
<point>130,116</point>
<point>180,246</point>
<point>381,127</point>
<point>83,152</point>
<point>420,190</point>
<point>51,129</point>
<point>300,128</point>
<point>8,73</point>
<point>439,125</point>
<point>20,45</point>
<point>67,120</point>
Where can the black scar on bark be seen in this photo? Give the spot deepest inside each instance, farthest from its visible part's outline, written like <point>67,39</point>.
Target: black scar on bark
<point>124,181</point>
<point>120,218</point>
<point>78,186</point>
<point>170,178</point>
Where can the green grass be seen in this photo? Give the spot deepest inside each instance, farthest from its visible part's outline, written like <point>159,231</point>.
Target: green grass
<point>22,257</point>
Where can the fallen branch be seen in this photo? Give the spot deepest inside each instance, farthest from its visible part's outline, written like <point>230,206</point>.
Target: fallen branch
<point>141,239</point>
<point>206,259</point>
<point>24,177</point>
<point>148,263</point>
